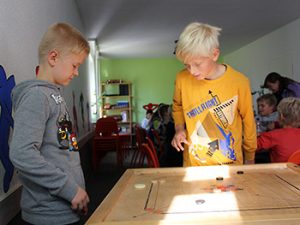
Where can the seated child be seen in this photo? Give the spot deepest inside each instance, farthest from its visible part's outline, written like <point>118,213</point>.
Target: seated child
<point>171,157</point>
<point>267,114</point>
<point>283,142</point>
<point>146,122</point>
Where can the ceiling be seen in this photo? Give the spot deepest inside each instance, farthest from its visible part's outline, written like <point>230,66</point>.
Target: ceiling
<point>148,28</point>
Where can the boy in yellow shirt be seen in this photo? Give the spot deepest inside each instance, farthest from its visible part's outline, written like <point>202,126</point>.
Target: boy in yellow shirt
<point>212,103</point>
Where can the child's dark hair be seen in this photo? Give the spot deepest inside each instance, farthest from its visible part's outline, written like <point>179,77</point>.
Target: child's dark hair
<point>269,98</point>
<point>149,111</point>
<point>283,81</point>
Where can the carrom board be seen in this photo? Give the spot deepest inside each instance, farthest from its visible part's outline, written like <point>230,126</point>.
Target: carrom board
<point>248,194</point>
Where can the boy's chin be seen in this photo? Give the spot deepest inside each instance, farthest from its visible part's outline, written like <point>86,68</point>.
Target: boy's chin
<point>65,83</point>
<point>200,77</point>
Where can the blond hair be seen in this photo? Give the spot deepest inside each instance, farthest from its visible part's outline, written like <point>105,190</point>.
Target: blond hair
<point>289,111</point>
<point>197,39</point>
<point>64,38</point>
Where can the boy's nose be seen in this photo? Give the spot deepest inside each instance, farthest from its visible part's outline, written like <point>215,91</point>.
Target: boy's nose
<point>194,71</point>
<point>75,73</point>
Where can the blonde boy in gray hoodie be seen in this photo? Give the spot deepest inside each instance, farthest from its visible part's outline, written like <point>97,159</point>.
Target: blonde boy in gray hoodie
<point>44,148</point>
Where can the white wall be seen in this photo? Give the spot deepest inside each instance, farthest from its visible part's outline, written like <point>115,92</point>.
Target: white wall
<point>22,24</point>
<point>278,51</point>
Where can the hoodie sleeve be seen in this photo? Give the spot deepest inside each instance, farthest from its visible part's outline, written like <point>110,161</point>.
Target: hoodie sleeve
<point>31,114</point>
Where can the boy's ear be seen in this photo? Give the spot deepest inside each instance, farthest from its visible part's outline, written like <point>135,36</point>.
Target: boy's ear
<point>52,57</point>
<point>215,54</point>
<point>281,117</point>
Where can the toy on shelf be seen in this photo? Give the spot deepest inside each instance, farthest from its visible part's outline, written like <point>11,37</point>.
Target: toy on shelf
<point>150,106</point>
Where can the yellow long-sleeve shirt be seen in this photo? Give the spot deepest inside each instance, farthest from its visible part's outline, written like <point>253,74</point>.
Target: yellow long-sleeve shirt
<point>218,116</point>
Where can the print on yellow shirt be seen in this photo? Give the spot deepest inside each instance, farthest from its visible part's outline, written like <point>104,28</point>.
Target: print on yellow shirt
<point>212,142</point>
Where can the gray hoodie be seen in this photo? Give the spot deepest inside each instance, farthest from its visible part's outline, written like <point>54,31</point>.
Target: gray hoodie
<point>44,151</point>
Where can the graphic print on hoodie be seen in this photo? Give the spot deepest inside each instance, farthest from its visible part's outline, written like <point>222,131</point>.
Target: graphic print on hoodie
<point>66,136</point>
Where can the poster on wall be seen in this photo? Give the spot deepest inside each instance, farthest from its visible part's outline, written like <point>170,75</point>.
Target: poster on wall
<point>6,124</point>
<point>84,115</point>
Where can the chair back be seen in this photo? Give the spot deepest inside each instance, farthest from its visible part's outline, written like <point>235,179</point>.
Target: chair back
<point>141,135</point>
<point>106,139</point>
<point>106,126</point>
<point>157,142</point>
<point>295,157</point>
<point>151,156</point>
<point>144,149</point>
<point>150,143</point>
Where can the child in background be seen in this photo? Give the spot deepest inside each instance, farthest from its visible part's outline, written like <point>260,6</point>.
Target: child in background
<point>282,87</point>
<point>283,142</point>
<point>172,158</point>
<point>146,122</point>
<point>212,103</point>
<point>44,148</point>
<point>267,114</point>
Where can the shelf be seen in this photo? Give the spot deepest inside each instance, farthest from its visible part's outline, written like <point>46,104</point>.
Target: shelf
<point>122,83</point>
<point>116,96</point>
<point>118,109</point>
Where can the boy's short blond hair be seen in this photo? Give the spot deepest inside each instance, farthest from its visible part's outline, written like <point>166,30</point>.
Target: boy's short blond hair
<point>197,39</point>
<point>289,111</point>
<point>64,38</point>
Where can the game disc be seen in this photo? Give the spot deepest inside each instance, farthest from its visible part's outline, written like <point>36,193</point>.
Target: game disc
<point>139,186</point>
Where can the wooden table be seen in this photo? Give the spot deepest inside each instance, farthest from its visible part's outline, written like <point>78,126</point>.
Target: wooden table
<point>249,194</point>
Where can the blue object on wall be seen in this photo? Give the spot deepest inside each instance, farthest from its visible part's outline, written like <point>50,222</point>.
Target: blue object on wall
<point>6,121</point>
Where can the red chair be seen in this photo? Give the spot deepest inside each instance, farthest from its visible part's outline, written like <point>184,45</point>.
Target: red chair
<point>158,142</point>
<point>145,149</point>
<point>295,157</point>
<point>152,160</point>
<point>106,139</point>
<point>138,155</point>
<point>153,151</point>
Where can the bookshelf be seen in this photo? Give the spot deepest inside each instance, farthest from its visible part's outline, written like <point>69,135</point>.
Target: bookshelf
<point>116,101</point>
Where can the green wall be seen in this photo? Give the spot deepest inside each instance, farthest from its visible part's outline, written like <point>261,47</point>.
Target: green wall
<point>152,79</point>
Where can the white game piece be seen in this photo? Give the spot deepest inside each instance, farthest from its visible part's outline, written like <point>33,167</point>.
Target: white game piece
<point>139,186</point>
<point>217,190</point>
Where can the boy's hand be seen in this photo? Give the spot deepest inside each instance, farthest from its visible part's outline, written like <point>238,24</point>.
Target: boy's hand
<point>271,126</point>
<point>179,138</point>
<point>80,201</point>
